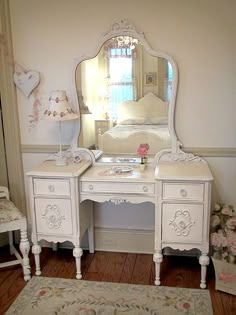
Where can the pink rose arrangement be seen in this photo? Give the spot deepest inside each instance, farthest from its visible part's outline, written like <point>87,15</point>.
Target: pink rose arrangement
<point>143,151</point>
<point>223,232</point>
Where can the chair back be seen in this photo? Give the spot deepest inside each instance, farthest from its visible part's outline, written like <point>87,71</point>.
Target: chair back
<point>4,192</point>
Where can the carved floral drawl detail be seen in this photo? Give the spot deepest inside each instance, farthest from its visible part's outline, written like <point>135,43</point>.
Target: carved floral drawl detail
<point>182,223</point>
<point>53,216</point>
<point>117,201</point>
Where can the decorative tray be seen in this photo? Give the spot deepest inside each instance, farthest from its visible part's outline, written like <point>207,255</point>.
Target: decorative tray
<point>121,169</point>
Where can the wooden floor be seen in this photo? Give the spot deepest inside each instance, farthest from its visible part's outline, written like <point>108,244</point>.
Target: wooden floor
<point>114,267</point>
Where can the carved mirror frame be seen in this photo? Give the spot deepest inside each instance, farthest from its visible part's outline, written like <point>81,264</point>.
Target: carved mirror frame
<point>125,28</point>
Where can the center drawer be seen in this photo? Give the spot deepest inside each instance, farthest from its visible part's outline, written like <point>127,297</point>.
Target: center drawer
<point>55,187</point>
<point>111,187</point>
<point>183,191</point>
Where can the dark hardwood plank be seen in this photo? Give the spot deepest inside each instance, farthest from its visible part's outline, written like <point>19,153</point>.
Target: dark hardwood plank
<point>142,269</point>
<point>128,268</point>
<point>97,267</point>
<point>116,267</point>
<point>9,296</point>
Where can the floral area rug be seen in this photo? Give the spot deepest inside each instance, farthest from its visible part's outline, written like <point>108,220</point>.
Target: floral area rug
<point>44,295</point>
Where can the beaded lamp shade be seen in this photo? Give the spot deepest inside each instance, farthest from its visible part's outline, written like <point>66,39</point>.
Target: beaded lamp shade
<point>59,110</point>
<point>59,107</point>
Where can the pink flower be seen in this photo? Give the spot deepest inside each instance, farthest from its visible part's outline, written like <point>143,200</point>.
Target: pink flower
<point>231,242</point>
<point>218,239</point>
<point>143,150</point>
<point>186,306</point>
<point>42,292</point>
<point>227,211</point>
<point>231,223</point>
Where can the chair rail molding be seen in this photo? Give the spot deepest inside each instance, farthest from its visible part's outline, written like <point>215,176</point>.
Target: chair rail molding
<point>200,151</point>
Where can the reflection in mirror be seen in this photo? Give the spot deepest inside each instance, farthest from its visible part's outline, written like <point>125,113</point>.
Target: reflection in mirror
<point>126,93</point>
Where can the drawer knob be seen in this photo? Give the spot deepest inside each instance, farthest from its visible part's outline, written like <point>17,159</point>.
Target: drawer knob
<point>145,188</point>
<point>183,193</point>
<point>90,187</point>
<point>51,188</point>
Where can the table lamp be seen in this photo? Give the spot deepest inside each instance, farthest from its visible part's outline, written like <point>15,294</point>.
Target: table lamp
<point>59,110</point>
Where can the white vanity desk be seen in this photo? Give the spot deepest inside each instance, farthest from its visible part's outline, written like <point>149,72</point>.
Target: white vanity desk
<point>177,183</point>
<point>179,190</point>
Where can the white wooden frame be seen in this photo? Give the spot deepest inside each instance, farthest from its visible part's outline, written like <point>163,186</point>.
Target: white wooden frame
<point>124,27</point>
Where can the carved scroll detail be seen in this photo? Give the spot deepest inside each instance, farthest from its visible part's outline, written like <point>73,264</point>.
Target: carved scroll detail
<point>182,223</point>
<point>53,216</point>
<point>176,155</point>
<point>180,155</point>
<point>122,26</point>
<point>117,201</point>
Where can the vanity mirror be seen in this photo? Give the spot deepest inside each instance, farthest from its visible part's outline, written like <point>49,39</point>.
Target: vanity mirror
<point>126,95</point>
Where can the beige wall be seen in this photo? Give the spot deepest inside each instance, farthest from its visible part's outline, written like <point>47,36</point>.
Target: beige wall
<point>48,35</point>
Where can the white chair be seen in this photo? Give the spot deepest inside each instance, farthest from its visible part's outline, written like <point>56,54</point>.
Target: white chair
<point>11,219</point>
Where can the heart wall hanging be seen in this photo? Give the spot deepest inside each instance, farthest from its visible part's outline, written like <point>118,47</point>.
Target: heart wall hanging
<point>26,81</point>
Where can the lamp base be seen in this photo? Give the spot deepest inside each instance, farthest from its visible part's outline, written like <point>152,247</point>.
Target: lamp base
<point>61,161</point>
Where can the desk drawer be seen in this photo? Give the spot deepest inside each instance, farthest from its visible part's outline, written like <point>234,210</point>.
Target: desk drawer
<point>55,187</point>
<point>111,187</point>
<point>185,191</point>
<point>182,223</point>
<point>53,216</point>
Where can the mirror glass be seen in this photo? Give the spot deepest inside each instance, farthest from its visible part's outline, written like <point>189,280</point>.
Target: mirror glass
<point>125,93</point>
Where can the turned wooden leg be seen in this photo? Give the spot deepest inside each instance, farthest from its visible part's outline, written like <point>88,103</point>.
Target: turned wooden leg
<point>204,262</point>
<point>157,258</point>
<point>36,250</point>
<point>77,253</point>
<point>91,229</point>
<point>25,248</point>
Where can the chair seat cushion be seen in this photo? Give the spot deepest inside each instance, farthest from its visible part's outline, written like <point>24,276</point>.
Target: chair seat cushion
<point>9,212</point>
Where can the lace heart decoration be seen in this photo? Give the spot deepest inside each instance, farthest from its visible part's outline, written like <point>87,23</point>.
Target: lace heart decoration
<point>26,81</point>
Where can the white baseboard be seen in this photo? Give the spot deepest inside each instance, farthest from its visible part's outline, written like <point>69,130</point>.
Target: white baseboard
<point>124,240</point>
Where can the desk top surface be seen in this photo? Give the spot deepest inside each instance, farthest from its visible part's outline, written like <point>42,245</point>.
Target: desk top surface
<point>182,170</point>
<point>49,168</point>
<point>119,173</point>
